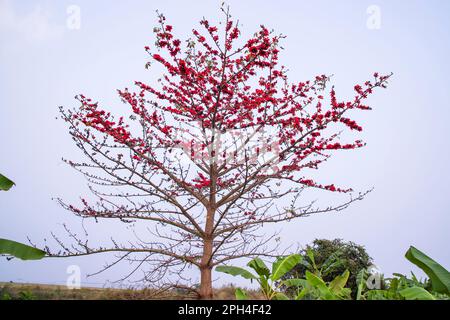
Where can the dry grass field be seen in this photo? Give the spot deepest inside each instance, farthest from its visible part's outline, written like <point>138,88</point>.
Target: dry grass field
<point>30,291</point>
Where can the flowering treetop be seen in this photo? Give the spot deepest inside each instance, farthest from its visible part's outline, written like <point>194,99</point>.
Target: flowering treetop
<point>213,139</point>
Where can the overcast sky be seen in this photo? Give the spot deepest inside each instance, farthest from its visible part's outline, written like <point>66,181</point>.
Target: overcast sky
<point>45,59</point>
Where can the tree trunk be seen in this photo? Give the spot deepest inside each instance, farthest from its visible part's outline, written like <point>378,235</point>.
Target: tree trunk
<point>206,291</point>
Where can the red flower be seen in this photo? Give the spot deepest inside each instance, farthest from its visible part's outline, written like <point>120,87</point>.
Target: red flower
<point>158,57</point>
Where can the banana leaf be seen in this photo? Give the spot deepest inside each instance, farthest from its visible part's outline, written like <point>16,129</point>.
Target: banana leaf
<point>20,250</point>
<point>260,267</point>
<point>280,296</point>
<point>236,271</point>
<point>316,282</point>
<point>339,282</point>
<point>416,293</point>
<point>284,265</point>
<point>439,276</point>
<point>5,183</point>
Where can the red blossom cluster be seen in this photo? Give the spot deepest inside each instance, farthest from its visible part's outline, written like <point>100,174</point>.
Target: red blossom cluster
<point>102,121</point>
<point>201,181</point>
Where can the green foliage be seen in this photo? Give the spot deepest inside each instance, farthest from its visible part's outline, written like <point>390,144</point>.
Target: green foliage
<point>328,259</point>
<point>416,293</point>
<point>13,248</point>
<point>439,276</point>
<point>236,271</point>
<point>26,295</point>
<point>20,250</point>
<point>7,293</point>
<point>266,278</point>
<point>401,287</point>
<point>260,267</point>
<point>5,183</point>
<point>240,294</point>
<point>394,288</point>
<point>315,288</point>
<point>284,265</point>
<point>277,283</point>
<point>5,296</point>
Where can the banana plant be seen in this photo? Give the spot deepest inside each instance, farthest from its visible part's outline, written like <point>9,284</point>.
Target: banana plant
<point>13,248</point>
<point>315,288</point>
<point>401,287</point>
<point>268,279</point>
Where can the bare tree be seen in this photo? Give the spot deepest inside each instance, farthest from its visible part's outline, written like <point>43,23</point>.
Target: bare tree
<point>217,149</point>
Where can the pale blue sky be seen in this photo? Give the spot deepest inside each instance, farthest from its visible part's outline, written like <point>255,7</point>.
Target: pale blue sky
<point>43,64</point>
